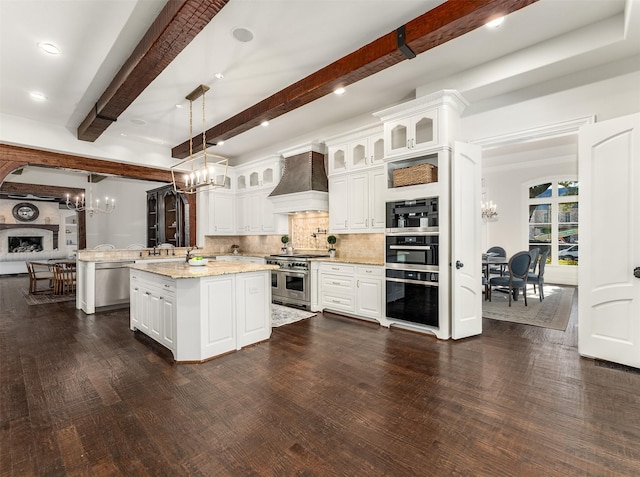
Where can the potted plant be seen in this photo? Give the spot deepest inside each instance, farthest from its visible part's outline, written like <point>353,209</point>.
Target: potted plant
<point>331,240</point>
<point>285,240</point>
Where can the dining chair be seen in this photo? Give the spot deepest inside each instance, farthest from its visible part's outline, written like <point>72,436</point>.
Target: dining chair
<point>535,253</point>
<point>64,278</point>
<point>517,277</point>
<point>497,252</point>
<point>39,272</point>
<point>538,278</point>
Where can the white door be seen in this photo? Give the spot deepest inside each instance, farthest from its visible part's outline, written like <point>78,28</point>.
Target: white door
<point>609,298</point>
<point>466,253</point>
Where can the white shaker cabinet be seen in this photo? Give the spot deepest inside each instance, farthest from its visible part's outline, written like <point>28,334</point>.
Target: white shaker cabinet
<point>357,202</point>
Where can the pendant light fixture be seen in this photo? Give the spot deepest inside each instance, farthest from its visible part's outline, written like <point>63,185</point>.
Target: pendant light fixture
<point>201,171</point>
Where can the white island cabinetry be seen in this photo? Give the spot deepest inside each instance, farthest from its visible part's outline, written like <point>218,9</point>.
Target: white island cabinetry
<point>202,312</point>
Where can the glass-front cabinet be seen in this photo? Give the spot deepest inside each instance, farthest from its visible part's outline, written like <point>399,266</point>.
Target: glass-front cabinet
<point>167,218</point>
<point>358,149</point>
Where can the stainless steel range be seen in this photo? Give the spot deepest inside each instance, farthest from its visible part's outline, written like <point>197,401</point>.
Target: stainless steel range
<point>290,284</point>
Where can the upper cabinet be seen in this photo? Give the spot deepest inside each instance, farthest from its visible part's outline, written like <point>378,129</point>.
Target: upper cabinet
<point>356,150</point>
<point>257,175</point>
<point>425,123</point>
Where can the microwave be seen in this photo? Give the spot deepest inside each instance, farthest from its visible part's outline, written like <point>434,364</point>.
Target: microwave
<point>412,216</point>
<point>412,251</point>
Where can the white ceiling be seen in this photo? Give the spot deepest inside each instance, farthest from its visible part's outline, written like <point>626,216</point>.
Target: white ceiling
<point>543,44</point>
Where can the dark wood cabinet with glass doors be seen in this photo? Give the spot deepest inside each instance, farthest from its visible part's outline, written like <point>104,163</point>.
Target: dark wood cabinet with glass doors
<point>167,218</point>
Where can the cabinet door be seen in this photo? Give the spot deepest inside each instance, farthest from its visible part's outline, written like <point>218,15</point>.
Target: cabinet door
<point>397,136</point>
<point>369,297</point>
<point>272,223</point>
<point>152,219</point>
<point>255,213</point>
<point>358,200</point>
<point>376,149</point>
<point>135,298</point>
<point>609,281</point>
<point>466,254</point>
<point>155,311</point>
<point>145,311</point>
<point>221,213</point>
<point>358,154</point>
<point>244,214</point>
<point>377,191</point>
<point>337,159</point>
<point>338,203</point>
<point>168,320</point>
<point>218,326</point>
<point>254,307</point>
<point>424,131</point>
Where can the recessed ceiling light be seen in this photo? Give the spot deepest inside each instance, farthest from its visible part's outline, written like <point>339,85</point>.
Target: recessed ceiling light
<point>49,48</point>
<point>339,91</point>
<point>219,143</point>
<point>179,106</point>
<point>139,122</point>
<point>264,124</point>
<point>495,23</point>
<point>37,96</point>
<point>219,75</point>
<point>242,34</point>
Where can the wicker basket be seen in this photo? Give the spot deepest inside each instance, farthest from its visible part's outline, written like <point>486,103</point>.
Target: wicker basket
<point>420,174</point>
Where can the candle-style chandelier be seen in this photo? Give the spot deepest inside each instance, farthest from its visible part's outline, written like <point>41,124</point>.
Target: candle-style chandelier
<point>87,204</point>
<point>203,171</point>
<point>489,209</point>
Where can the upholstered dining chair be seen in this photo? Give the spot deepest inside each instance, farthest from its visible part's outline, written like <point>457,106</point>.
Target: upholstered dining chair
<point>104,246</point>
<point>516,278</point>
<point>535,253</point>
<point>497,252</point>
<point>538,278</point>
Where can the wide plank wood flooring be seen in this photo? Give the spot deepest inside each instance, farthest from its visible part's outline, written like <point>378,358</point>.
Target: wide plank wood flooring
<point>327,396</point>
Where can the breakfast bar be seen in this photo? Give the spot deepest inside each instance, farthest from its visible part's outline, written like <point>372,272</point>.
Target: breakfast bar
<point>200,312</point>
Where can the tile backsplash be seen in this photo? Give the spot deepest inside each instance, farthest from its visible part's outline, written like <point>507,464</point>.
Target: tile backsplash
<point>307,233</point>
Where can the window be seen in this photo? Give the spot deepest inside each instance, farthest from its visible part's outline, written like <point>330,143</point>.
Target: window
<point>553,220</point>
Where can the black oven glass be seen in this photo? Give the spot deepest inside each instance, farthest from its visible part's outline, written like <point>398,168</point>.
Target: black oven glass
<point>412,249</point>
<point>414,302</point>
<point>295,283</point>
<point>274,280</point>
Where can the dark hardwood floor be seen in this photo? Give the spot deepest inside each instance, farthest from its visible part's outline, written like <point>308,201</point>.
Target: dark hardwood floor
<point>80,395</point>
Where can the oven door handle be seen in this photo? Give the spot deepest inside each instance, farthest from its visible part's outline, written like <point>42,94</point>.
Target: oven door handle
<point>417,282</point>
<point>410,247</point>
<point>294,274</point>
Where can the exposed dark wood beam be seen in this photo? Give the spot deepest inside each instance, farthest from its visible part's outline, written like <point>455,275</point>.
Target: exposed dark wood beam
<point>14,157</point>
<point>446,22</point>
<point>175,27</point>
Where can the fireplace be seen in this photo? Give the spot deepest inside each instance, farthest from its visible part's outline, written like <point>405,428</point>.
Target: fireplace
<point>25,244</point>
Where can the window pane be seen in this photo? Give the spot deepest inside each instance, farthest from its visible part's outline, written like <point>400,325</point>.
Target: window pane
<point>568,212</point>
<point>540,214</point>
<point>540,190</point>
<point>567,234</point>
<point>568,254</point>
<point>568,188</point>
<point>539,234</point>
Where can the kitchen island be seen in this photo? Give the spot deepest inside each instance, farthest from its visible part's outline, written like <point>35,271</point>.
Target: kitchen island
<point>200,312</point>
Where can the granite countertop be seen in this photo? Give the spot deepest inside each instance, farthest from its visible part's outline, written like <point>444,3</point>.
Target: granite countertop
<point>213,268</point>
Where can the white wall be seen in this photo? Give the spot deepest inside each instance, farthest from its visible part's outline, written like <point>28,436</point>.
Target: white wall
<point>125,226</point>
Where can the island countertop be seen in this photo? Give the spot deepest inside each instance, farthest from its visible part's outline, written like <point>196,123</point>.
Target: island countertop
<point>213,268</point>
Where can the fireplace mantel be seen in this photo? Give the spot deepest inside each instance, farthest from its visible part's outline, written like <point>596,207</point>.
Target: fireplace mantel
<point>54,228</point>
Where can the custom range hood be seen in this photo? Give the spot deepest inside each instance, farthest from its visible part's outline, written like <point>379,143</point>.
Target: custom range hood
<point>304,185</point>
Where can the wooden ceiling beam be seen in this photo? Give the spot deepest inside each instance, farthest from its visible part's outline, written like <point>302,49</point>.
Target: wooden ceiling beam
<point>14,157</point>
<point>175,27</point>
<point>446,22</point>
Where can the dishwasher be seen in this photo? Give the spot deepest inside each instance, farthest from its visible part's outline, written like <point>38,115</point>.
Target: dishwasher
<point>112,283</point>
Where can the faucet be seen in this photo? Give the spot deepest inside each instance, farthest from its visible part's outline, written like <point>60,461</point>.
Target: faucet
<point>188,256</point>
<point>155,252</point>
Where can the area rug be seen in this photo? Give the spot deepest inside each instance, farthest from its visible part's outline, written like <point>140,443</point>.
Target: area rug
<point>45,298</point>
<point>553,312</point>
<point>283,315</point>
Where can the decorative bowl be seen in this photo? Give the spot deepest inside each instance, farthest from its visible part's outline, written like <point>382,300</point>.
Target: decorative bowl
<point>198,263</point>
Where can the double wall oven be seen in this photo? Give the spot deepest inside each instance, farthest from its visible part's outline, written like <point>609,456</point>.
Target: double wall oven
<point>412,261</point>
<point>290,284</point>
